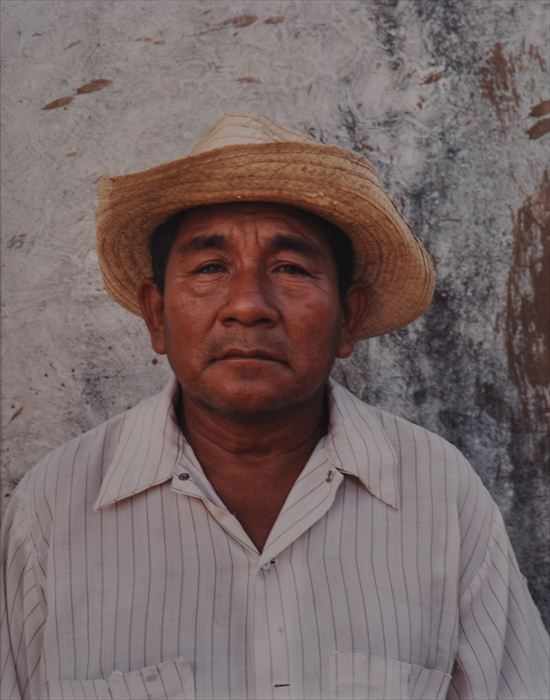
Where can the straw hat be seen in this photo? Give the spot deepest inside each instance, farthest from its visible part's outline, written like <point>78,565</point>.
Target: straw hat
<point>245,158</point>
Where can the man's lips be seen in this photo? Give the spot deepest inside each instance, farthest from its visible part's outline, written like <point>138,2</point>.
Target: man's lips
<point>248,354</point>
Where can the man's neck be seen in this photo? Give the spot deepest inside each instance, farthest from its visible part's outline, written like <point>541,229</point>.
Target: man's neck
<point>273,444</point>
<point>253,464</point>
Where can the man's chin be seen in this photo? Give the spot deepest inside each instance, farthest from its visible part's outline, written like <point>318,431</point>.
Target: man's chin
<point>249,397</point>
<point>247,403</point>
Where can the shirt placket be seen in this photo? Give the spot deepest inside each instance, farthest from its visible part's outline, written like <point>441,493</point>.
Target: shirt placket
<point>271,663</point>
<point>308,501</point>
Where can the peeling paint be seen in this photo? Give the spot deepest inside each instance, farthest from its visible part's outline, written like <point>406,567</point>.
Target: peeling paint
<point>72,44</point>
<point>248,79</point>
<point>60,102</point>
<point>93,86</point>
<point>528,308</point>
<point>277,19</point>
<point>240,21</point>
<point>432,78</point>
<point>540,109</point>
<point>528,349</point>
<point>499,78</point>
<point>539,129</point>
<point>498,83</point>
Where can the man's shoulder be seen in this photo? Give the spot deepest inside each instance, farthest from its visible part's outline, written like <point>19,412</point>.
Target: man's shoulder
<point>60,463</point>
<point>403,433</point>
<point>75,469</point>
<point>412,440</point>
<point>420,454</point>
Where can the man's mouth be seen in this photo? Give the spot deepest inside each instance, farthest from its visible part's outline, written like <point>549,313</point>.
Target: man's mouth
<point>248,354</point>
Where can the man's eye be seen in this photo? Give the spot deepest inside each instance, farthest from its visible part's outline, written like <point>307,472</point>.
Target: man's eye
<point>291,269</point>
<point>209,269</point>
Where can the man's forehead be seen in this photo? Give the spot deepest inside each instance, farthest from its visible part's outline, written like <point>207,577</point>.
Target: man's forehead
<point>206,217</point>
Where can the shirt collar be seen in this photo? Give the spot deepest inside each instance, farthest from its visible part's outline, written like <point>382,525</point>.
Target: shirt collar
<point>360,446</point>
<point>150,444</point>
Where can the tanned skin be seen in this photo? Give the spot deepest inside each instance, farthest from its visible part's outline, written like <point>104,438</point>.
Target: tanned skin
<point>251,321</point>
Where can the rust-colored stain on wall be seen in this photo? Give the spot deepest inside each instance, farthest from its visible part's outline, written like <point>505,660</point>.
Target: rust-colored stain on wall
<point>237,22</point>
<point>432,78</point>
<point>500,77</point>
<point>498,83</point>
<point>60,102</point>
<point>93,86</point>
<point>528,309</point>
<point>539,129</point>
<point>535,55</point>
<point>240,21</point>
<point>540,109</point>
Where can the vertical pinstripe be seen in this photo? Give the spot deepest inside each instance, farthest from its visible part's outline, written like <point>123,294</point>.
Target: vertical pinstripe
<point>393,576</point>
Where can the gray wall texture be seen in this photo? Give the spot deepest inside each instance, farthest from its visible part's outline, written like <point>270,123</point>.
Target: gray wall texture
<point>450,99</point>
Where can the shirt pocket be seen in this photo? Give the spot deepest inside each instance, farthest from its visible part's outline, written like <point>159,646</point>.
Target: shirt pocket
<point>363,676</point>
<point>169,680</point>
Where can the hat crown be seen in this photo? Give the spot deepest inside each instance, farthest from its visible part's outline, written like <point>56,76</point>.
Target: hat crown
<point>237,128</point>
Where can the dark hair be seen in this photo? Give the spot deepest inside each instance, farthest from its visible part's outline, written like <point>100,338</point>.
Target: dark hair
<point>164,235</point>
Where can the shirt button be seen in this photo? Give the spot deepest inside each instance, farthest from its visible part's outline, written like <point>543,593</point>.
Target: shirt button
<point>183,476</point>
<point>267,566</point>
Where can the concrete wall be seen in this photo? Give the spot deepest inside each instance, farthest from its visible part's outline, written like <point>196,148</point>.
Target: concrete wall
<point>450,100</point>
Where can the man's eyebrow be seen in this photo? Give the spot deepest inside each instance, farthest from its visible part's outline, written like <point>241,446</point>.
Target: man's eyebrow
<point>217,241</point>
<point>296,243</point>
<point>279,242</point>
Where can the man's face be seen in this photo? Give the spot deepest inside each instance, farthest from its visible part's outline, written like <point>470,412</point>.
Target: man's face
<point>251,319</point>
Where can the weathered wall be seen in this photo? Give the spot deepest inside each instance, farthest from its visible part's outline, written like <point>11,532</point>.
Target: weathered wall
<point>450,100</point>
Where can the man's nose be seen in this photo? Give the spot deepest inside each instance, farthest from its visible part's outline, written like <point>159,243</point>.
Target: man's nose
<point>249,300</point>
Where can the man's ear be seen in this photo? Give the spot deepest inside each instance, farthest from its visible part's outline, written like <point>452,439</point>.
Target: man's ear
<point>354,309</point>
<point>151,302</point>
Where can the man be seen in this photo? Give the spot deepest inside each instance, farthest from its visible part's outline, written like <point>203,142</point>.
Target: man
<point>255,531</point>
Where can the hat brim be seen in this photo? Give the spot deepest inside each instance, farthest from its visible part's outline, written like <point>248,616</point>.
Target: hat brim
<point>391,265</point>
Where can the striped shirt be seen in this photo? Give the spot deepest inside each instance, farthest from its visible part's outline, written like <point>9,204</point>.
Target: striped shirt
<point>387,574</point>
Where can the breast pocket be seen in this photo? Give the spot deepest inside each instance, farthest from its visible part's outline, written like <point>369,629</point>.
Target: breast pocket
<point>362,676</point>
<point>170,680</point>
